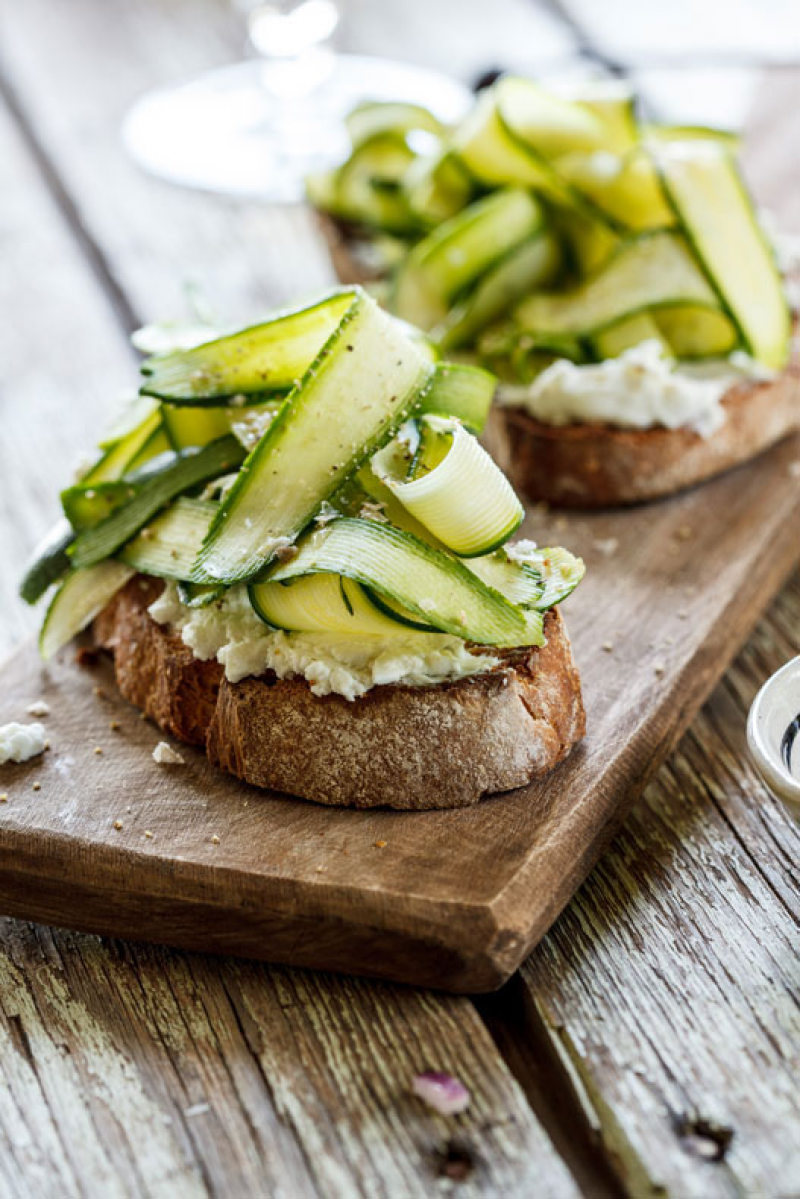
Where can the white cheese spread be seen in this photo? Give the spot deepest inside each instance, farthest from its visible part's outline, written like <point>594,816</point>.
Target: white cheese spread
<point>19,742</point>
<point>639,389</point>
<point>165,755</point>
<point>341,664</point>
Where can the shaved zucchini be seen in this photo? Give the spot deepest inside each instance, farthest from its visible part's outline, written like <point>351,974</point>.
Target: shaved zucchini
<point>169,544</point>
<point>348,403</point>
<point>459,251</point>
<point>437,188</point>
<point>434,587</point>
<point>116,460</point>
<point>263,358</point>
<point>650,271</point>
<point>181,473</point>
<point>373,116</point>
<point>552,126</point>
<point>613,103</point>
<point>627,333</point>
<point>81,597</point>
<point>321,603</point>
<point>710,200</point>
<point>187,426</point>
<point>697,332</point>
<point>625,188</point>
<point>524,268</point>
<point>49,562</point>
<point>86,506</point>
<point>459,494</point>
<point>464,392</point>
<point>367,187</point>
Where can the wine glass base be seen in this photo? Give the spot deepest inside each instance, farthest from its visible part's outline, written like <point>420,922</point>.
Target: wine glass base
<point>229,132</point>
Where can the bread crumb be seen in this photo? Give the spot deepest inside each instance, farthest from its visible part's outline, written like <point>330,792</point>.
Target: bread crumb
<point>117,824</point>
<point>380,844</point>
<point>37,786</point>
<point>685,533</point>
<point>683,614</point>
<point>3,797</point>
<point>320,869</point>
<point>113,725</point>
<point>97,749</point>
<point>215,839</point>
<point>659,667</point>
<point>148,834</point>
<point>608,646</point>
<point>39,708</point>
<point>165,755</point>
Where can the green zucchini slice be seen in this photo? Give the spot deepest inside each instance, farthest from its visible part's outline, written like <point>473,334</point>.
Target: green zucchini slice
<point>524,269</point>
<point>49,562</point>
<point>118,457</point>
<point>367,186</point>
<point>432,586</point>
<point>626,188</point>
<point>710,200</point>
<point>458,493</point>
<point>86,506</point>
<point>81,597</point>
<point>452,257</point>
<point>347,405</point>
<point>152,494</point>
<point>649,271</point>
<point>376,116</point>
<point>458,390</point>
<point>264,358</point>
<point>697,332</point>
<point>169,544</point>
<point>321,603</point>
<point>630,332</point>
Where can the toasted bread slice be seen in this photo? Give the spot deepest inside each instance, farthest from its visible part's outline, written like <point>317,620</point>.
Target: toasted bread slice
<point>402,747</point>
<point>597,466</point>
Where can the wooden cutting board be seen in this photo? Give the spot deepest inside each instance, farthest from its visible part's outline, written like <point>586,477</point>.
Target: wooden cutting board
<point>113,843</point>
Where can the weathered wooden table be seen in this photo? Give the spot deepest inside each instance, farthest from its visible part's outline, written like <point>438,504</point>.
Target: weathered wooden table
<point>650,1046</point>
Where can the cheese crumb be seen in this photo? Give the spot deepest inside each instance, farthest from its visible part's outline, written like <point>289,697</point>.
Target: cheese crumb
<point>659,668</point>
<point>215,840</point>
<point>37,786</point>
<point>118,824</point>
<point>39,708</point>
<point>165,755</point>
<point>21,742</point>
<point>608,646</point>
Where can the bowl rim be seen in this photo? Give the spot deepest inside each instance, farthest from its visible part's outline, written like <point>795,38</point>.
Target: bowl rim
<point>768,763</point>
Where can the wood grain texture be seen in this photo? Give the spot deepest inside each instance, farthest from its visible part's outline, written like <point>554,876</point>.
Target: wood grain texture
<point>149,1073</point>
<point>460,897</point>
<point>683,1025</point>
<point>649,1155</point>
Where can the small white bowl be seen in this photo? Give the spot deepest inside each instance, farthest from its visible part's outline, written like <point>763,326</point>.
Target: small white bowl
<point>773,733</point>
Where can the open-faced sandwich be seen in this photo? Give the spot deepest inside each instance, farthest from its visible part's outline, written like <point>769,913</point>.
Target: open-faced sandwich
<point>613,274</point>
<point>298,554</point>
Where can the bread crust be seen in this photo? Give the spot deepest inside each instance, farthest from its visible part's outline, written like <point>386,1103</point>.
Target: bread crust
<point>402,747</point>
<point>597,466</point>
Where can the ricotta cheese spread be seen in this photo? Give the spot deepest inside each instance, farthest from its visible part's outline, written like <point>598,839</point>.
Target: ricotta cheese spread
<point>639,389</point>
<point>20,742</point>
<point>331,663</point>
